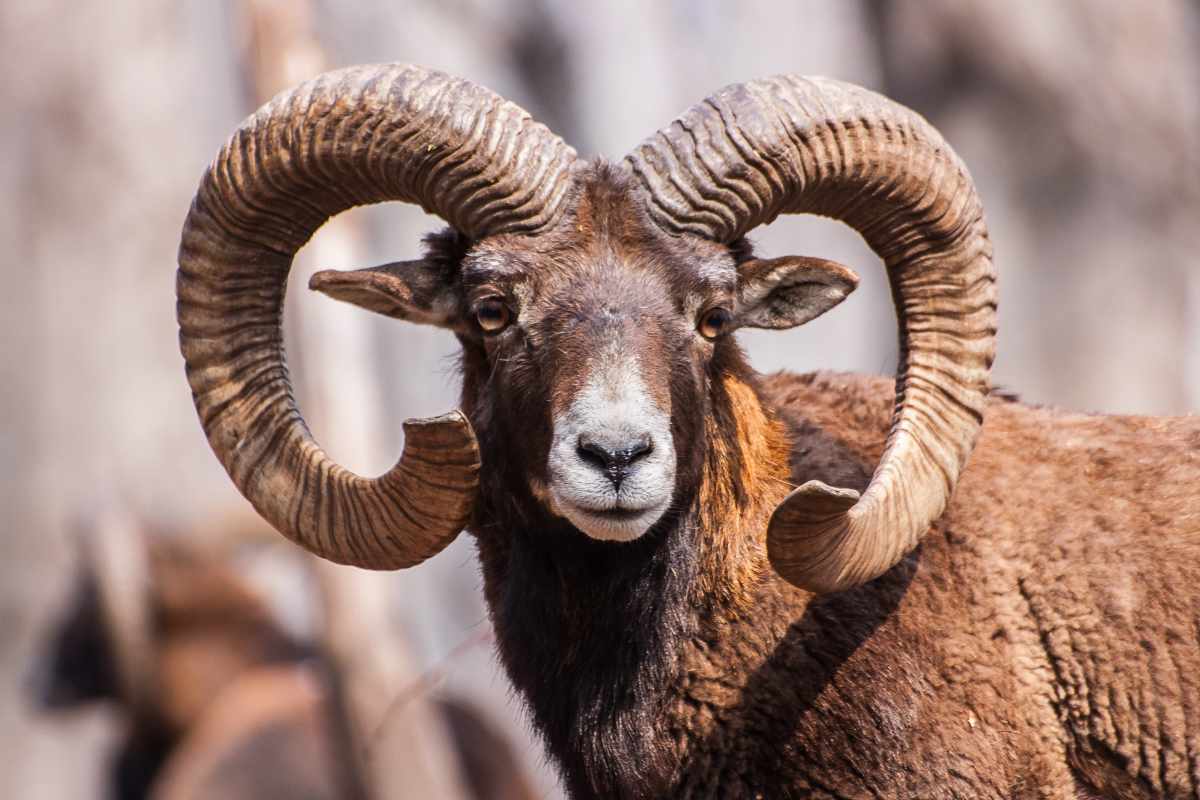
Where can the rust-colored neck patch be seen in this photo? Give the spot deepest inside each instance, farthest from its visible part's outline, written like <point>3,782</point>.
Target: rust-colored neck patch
<point>745,476</point>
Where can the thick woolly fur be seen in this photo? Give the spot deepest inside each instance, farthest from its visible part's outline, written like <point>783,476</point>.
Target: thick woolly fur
<point>1045,637</point>
<point>1042,642</point>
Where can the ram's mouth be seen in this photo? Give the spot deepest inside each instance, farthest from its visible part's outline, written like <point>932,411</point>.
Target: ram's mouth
<point>615,524</point>
<point>619,514</point>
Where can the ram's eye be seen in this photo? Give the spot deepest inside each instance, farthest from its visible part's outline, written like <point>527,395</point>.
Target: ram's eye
<point>714,322</point>
<point>492,315</point>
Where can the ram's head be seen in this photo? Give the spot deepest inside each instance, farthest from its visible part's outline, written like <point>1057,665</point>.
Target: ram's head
<point>593,304</point>
<point>589,348</point>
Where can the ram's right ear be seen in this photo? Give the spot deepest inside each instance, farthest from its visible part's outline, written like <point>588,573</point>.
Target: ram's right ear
<point>789,291</point>
<point>414,291</point>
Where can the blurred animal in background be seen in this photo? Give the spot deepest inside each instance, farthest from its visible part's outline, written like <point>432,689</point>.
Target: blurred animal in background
<point>706,582</point>
<point>220,701</point>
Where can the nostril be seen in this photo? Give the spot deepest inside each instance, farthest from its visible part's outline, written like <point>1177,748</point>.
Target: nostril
<point>593,453</point>
<point>640,449</point>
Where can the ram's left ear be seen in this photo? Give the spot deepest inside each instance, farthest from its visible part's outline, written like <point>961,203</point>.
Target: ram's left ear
<point>790,291</point>
<point>416,291</point>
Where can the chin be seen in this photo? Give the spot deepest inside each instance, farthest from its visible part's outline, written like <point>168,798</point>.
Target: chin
<point>613,525</point>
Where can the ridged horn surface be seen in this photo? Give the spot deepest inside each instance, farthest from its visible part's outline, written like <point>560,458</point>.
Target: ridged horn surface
<point>349,137</point>
<point>788,145</point>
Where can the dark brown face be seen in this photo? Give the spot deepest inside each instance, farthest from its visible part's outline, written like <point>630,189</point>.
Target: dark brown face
<point>593,348</point>
<point>590,351</point>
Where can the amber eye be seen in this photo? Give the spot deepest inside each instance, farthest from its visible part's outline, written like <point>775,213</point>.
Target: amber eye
<point>714,322</point>
<point>492,315</point>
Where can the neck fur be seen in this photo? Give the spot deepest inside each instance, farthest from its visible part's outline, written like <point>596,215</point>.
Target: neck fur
<point>593,634</point>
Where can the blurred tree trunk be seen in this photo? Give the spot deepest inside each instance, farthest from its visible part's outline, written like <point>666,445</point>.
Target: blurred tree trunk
<point>1082,124</point>
<point>405,752</point>
<point>109,114</point>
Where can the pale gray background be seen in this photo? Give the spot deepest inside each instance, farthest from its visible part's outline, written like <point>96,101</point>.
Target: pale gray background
<point>1079,120</point>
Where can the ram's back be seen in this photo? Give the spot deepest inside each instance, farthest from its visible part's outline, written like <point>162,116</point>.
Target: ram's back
<point>1073,542</point>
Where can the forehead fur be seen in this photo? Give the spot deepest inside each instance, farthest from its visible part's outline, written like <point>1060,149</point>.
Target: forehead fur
<point>606,227</point>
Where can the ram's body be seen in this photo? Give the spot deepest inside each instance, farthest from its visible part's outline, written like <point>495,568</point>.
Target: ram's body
<point>705,583</point>
<point>1048,622</point>
<point>1042,641</point>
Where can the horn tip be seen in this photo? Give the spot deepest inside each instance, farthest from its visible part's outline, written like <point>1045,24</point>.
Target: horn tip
<point>820,500</point>
<point>323,280</point>
<point>455,417</point>
<point>451,430</point>
<point>805,532</point>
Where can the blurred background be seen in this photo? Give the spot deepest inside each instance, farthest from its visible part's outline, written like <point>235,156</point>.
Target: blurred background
<point>152,630</point>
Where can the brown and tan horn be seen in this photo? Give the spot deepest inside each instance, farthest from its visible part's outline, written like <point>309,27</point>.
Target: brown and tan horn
<point>349,137</point>
<point>789,145</point>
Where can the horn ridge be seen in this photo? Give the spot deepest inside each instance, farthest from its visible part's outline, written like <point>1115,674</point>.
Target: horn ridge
<point>348,137</point>
<point>788,145</point>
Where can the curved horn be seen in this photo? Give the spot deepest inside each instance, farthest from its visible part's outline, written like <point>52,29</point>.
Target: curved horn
<point>793,145</point>
<point>353,136</point>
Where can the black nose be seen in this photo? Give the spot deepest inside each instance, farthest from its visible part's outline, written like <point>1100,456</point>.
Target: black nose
<point>615,462</point>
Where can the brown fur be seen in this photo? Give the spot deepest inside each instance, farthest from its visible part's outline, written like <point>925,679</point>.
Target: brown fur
<point>240,709</point>
<point>731,563</point>
<point>1040,643</point>
<point>1043,641</point>
<point>1026,645</point>
<point>1022,651</point>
